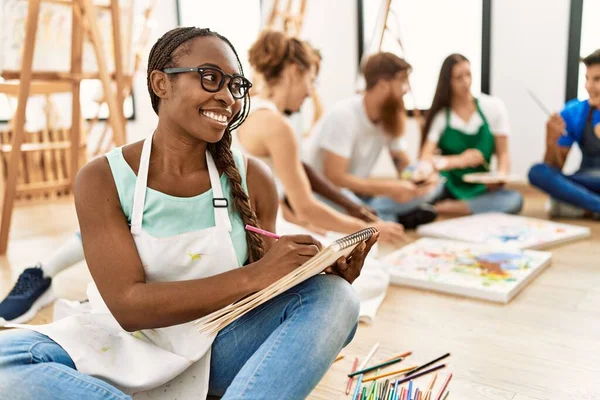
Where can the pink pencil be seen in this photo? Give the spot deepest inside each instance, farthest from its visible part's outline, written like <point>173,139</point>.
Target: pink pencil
<point>444,387</point>
<point>262,232</point>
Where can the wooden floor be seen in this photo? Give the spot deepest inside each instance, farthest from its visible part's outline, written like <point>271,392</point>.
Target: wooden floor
<point>544,345</point>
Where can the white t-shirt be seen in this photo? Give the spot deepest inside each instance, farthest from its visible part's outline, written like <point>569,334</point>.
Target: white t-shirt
<point>347,132</point>
<point>492,107</point>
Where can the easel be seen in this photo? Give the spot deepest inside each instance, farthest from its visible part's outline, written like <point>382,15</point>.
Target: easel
<point>139,52</point>
<point>30,82</point>
<point>291,23</point>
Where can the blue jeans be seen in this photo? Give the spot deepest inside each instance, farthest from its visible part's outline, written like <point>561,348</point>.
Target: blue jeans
<point>503,200</point>
<point>582,189</point>
<point>387,208</point>
<point>280,350</point>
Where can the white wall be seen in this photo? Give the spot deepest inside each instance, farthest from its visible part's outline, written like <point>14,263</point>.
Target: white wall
<point>529,51</point>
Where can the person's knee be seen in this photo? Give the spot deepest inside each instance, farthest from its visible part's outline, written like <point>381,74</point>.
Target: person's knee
<point>514,202</point>
<point>538,174</point>
<point>342,303</point>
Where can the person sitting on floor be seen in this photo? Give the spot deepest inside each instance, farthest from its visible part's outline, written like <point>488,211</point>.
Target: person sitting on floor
<point>348,141</point>
<point>576,195</point>
<point>162,224</point>
<point>467,131</point>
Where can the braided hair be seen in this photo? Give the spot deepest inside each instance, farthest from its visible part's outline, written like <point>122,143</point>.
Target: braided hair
<point>171,46</point>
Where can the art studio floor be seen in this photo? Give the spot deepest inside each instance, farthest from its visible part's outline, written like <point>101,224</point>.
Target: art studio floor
<point>544,345</point>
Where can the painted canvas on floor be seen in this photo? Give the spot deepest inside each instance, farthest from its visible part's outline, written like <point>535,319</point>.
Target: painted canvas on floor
<point>498,228</point>
<point>489,272</point>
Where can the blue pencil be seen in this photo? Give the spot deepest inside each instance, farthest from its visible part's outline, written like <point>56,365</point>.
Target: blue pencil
<point>409,390</point>
<point>396,390</point>
<point>358,385</point>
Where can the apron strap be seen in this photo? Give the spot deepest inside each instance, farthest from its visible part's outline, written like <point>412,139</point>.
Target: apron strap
<point>141,182</point>
<point>220,202</point>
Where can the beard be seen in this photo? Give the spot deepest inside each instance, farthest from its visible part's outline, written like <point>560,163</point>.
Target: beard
<point>392,116</point>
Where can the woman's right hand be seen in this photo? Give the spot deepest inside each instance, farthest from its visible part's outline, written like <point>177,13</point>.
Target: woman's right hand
<point>471,158</point>
<point>287,254</point>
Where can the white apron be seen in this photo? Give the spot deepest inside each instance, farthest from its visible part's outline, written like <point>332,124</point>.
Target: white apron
<point>144,360</point>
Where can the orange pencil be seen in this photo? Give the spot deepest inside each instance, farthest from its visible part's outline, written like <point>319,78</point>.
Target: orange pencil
<point>403,355</point>
<point>338,358</point>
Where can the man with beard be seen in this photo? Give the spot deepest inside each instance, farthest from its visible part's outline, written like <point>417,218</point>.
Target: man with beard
<point>348,141</point>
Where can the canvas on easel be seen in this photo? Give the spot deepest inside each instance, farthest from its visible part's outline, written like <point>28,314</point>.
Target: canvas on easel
<point>489,272</point>
<point>499,228</point>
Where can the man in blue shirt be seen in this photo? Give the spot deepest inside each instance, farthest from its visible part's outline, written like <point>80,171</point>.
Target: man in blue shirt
<point>576,195</point>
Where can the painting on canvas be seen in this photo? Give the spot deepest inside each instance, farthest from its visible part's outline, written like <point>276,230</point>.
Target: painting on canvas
<point>498,228</point>
<point>489,272</point>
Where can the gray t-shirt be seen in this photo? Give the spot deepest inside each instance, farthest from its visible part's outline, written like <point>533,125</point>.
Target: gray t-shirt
<point>347,132</point>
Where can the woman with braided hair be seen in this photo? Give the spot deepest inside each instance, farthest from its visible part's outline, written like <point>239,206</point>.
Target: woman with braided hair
<point>162,224</point>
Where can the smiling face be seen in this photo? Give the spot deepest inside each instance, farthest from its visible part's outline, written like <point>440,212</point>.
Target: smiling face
<point>592,84</point>
<point>185,104</point>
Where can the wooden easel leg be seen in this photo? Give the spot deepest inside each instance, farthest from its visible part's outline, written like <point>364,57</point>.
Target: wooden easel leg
<point>116,122</point>
<point>118,53</point>
<point>76,68</point>
<point>19,122</point>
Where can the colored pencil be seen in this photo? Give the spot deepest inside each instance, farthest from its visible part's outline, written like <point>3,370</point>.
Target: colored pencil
<point>396,391</point>
<point>371,389</point>
<point>417,391</point>
<point>432,383</point>
<point>427,364</point>
<point>358,384</point>
<point>444,387</point>
<point>400,371</point>
<point>428,371</point>
<point>368,357</point>
<point>409,389</point>
<point>349,384</point>
<point>374,367</point>
<point>446,396</point>
<point>401,355</point>
<point>262,232</point>
<point>338,358</point>
<point>387,389</point>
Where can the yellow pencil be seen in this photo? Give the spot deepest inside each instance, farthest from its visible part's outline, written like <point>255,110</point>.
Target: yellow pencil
<point>338,358</point>
<point>431,383</point>
<point>400,371</point>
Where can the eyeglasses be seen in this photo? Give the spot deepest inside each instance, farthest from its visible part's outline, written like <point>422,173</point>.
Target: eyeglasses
<point>213,79</point>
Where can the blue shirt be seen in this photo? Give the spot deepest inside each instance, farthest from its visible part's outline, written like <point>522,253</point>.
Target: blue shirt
<point>575,114</point>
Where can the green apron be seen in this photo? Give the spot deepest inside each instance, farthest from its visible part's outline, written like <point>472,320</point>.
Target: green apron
<point>454,142</point>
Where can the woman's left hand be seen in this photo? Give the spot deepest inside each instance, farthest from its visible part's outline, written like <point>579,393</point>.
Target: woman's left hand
<point>349,267</point>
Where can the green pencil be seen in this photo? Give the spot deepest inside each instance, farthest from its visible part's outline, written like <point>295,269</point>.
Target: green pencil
<point>446,396</point>
<point>374,367</point>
